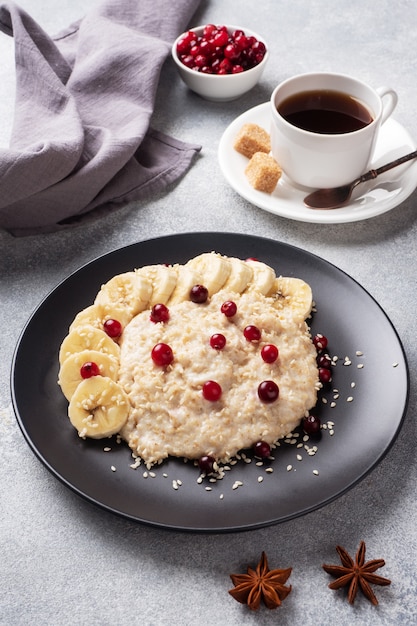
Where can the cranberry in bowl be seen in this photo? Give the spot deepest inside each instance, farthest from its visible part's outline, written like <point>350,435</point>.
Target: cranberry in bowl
<point>220,62</point>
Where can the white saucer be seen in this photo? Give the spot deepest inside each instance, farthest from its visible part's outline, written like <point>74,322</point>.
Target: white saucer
<point>371,199</point>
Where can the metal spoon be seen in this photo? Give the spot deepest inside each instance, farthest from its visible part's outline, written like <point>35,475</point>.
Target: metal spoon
<point>333,198</point>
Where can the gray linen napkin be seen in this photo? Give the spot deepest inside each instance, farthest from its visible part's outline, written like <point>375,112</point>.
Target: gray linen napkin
<point>81,136</point>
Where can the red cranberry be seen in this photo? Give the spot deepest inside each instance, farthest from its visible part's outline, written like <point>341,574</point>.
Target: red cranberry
<point>159,313</point>
<point>162,354</point>
<point>199,294</point>
<point>324,361</point>
<point>229,308</point>
<point>89,369</point>
<point>252,333</point>
<point>240,40</point>
<point>320,341</point>
<point>231,51</point>
<point>206,464</point>
<point>221,38</point>
<point>209,30</point>
<point>269,353</point>
<point>218,341</point>
<point>185,43</point>
<point>262,449</point>
<point>113,328</point>
<point>311,424</point>
<point>325,375</point>
<point>268,391</point>
<point>212,391</point>
<point>259,47</point>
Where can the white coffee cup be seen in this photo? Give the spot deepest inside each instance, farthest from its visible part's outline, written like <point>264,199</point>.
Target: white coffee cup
<point>321,159</point>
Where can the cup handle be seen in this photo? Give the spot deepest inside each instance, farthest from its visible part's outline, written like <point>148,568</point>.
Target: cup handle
<point>389,99</point>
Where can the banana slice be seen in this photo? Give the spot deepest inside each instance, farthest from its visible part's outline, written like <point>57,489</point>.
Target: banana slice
<point>240,276</point>
<point>96,314</point>
<point>87,338</point>
<point>130,291</point>
<point>99,407</point>
<point>263,277</point>
<point>213,268</point>
<point>69,376</point>
<point>186,279</point>
<point>293,297</point>
<point>163,279</point>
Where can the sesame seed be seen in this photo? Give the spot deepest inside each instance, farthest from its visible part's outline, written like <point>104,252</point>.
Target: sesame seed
<point>359,353</point>
<point>113,469</point>
<point>260,479</point>
<point>395,365</point>
<point>289,468</point>
<point>316,472</point>
<point>353,385</point>
<point>208,488</point>
<point>349,399</point>
<point>221,496</point>
<point>299,457</point>
<point>360,366</point>
<point>269,470</point>
<point>106,449</point>
<point>332,404</point>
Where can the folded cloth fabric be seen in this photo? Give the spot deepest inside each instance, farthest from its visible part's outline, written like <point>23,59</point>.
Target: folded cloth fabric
<point>81,136</point>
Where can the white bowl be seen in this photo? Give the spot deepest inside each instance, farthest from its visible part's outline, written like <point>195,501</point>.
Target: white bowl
<point>220,88</point>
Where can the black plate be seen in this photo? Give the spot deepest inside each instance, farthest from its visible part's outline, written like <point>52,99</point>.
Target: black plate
<point>364,430</point>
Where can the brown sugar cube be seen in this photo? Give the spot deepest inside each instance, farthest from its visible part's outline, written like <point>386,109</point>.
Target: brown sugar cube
<point>252,138</point>
<point>263,172</point>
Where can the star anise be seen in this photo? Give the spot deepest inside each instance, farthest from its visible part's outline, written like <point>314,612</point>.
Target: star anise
<point>356,574</point>
<point>261,584</point>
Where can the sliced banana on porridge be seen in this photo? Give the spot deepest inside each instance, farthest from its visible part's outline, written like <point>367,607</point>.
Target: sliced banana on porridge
<point>130,291</point>
<point>187,277</point>
<point>293,297</point>
<point>241,274</point>
<point>87,337</point>
<point>163,279</point>
<point>98,408</point>
<point>99,316</point>
<point>85,364</point>
<point>213,268</point>
<point>263,277</point>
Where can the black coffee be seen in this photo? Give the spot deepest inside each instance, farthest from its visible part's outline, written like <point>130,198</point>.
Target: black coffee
<point>325,112</point>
